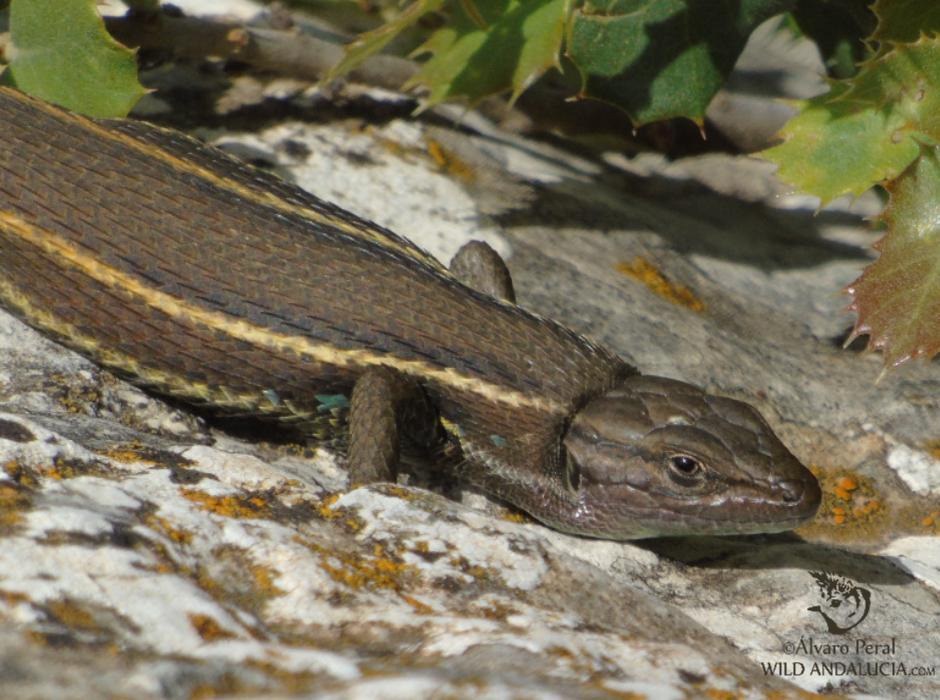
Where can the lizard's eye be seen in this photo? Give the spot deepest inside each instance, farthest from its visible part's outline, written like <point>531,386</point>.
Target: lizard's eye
<point>684,468</point>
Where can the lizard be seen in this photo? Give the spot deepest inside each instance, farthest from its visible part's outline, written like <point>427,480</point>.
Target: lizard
<point>201,278</point>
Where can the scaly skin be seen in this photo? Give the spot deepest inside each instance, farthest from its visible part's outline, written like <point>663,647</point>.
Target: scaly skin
<point>202,279</point>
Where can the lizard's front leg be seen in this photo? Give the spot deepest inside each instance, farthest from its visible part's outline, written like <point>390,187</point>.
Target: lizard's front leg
<point>380,401</point>
<point>385,403</point>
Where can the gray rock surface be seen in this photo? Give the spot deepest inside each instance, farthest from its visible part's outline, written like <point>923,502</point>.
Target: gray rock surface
<point>146,554</point>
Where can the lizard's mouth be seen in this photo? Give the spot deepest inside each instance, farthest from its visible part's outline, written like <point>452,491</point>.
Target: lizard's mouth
<point>621,511</point>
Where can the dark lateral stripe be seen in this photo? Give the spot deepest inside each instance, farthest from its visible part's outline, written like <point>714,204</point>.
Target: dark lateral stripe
<point>300,345</point>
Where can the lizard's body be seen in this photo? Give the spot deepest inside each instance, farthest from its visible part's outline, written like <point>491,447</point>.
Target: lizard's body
<point>208,281</point>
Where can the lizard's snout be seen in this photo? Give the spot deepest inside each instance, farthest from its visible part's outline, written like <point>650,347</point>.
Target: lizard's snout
<point>791,491</point>
<point>803,494</point>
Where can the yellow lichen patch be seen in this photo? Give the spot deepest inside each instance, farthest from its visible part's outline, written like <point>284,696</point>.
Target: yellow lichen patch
<point>128,453</point>
<point>164,526</point>
<point>644,271</point>
<point>234,578</point>
<point>326,511</point>
<point>401,492</point>
<point>207,628</point>
<point>125,456</point>
<point>931,522</point>
<point>137,452</point>
<point>449,162</point>
<point>20,474</point>
<point>420,608</point>
<point>68,468</point>
<point>230,506</point>
<point>14,500</point>
<point>496,611</point>
<point>933,447</point>
<point>325,507</point>
<point>13,597</point>
<point>358,571</point>
<point>74,398</point>
<point>71,614</point>
<point>474,570</point>
<point>516,516</point>
<point>721,694</point>
<point>264,581</point>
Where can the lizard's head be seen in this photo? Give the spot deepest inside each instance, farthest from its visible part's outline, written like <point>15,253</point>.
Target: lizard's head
<point>656,456</point>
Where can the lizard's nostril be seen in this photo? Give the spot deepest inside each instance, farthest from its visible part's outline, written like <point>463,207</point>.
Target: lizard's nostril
<point>791,490</point>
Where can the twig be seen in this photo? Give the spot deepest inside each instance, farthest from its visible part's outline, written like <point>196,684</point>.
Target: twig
<point>287,52</point>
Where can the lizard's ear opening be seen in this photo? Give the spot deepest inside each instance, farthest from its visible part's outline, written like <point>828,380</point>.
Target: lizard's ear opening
<point>602,436</point>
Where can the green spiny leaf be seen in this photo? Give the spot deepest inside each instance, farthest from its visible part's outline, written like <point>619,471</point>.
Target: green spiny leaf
<point>658,59</point>
<point>499,45</point>
<point>869,128</point>
<point>898,296</point>
<point>61,52</point>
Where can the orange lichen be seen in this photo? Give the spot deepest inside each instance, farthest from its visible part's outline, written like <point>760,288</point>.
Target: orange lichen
<point>496,611</point>
<point>14,500</point>
<point>860,502</point>
<point>13,597</point>
<point>230,506</point>
<point>644,271</point>
<point>71,614</point>
<point>357,571</point>
<point>162,525</point>
<point>420,608</point>
<point>721,694</point>
<point>933,447</point>
<point>474,570</point>
<point>515,516</point>
<point>128,453</point>
<point>852,507</point>
<point>932,520</point>
<point>20,474</point>
<point>325,507</point>
<point>844,487</point>
<point>207,628</point>
<point>264,581</point>
<point>447,161</point>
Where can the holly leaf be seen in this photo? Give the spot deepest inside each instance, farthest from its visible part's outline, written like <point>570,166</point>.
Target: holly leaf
<point>867,129</point>
<point>493,46</point>
<point>658,59</point>
<point>60,51</point>
<point>897,298</point>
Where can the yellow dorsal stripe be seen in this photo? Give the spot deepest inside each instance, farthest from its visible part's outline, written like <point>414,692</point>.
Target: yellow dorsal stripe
<point>65,252</point>
<point>254,195</point>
